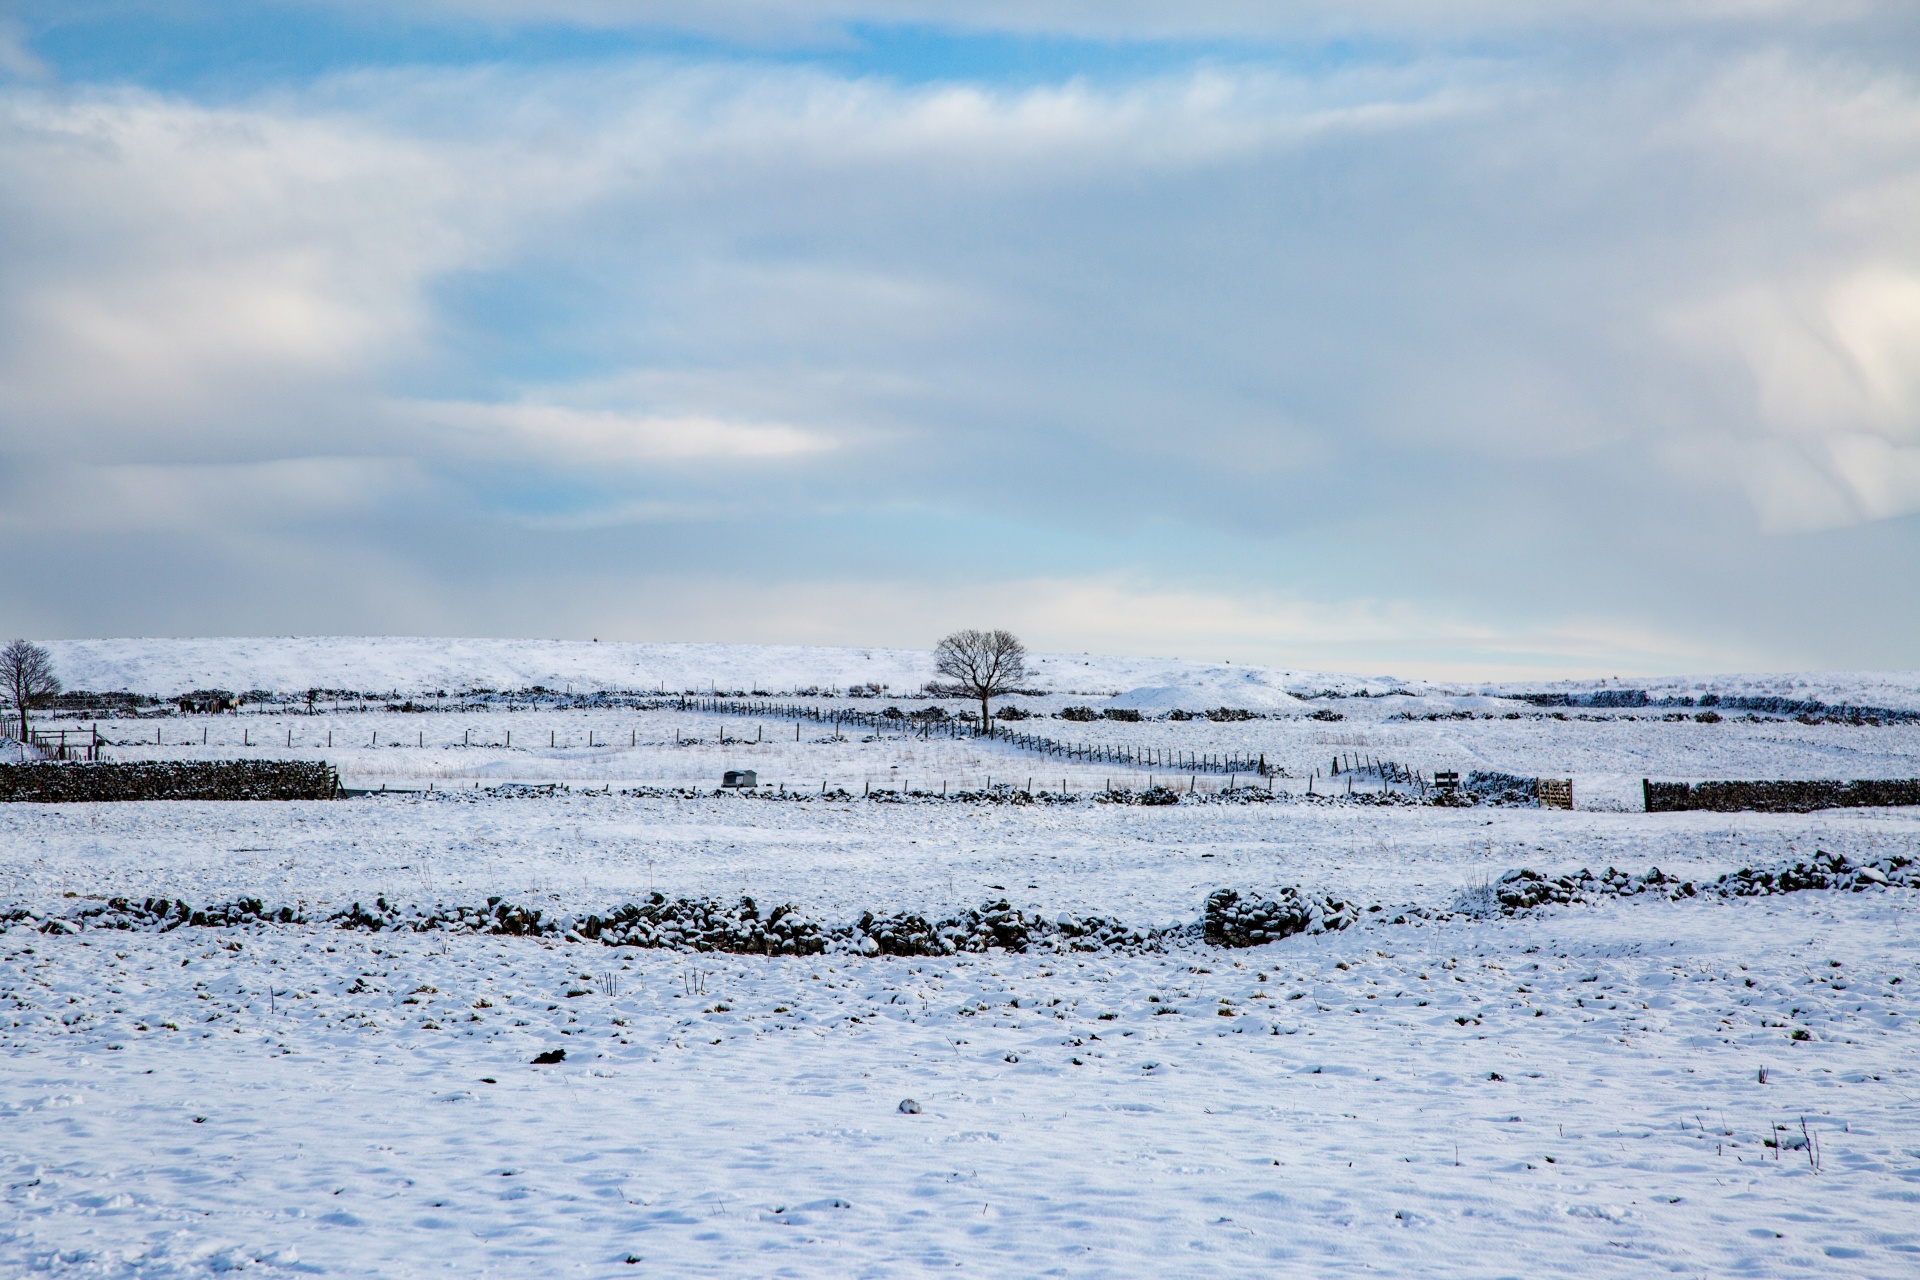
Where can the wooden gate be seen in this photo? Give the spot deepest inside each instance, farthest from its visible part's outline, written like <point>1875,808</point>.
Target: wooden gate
<point>67,744</point>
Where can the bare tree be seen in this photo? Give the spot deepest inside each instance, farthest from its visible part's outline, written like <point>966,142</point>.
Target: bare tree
<point>26,678</point>
<point>982,664</point>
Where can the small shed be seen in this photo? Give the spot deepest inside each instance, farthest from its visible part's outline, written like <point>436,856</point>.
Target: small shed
<point>740,778</point>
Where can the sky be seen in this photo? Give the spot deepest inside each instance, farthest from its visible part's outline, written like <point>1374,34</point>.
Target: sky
<point>1479,339</point>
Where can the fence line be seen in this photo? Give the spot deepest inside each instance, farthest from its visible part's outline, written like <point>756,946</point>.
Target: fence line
<point>1173,761</point>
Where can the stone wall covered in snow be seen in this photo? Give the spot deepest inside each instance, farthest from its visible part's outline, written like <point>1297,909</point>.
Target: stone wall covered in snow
<point>71,782</point>
<point>1779,797</point>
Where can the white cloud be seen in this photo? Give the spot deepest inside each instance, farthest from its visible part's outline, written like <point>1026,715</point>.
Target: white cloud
<point>554,434</point>
<point>1835,377</point>
<point>177,273</point>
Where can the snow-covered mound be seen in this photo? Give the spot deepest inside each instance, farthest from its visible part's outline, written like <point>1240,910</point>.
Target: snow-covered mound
<point>406,664</point>
<point>1241,688</point>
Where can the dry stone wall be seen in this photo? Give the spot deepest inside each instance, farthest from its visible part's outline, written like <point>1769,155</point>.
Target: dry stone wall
<point>75,782</point>
<point>1778,797</point>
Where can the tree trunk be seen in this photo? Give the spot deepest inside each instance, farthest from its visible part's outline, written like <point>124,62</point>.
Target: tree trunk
<point>986,725</point>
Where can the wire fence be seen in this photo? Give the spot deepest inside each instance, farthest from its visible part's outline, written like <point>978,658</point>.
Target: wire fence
<point>920,725</point>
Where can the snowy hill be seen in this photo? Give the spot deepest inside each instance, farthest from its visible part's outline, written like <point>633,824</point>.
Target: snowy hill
<point>410,665</point>
<point>288,664</point>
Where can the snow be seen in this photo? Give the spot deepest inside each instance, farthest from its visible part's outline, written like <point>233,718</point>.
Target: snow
<point>413,665</point>
<point>402,664</point>
<point>1328,1104</point>
<point>1247,690</point>
<point>1571,1090</point>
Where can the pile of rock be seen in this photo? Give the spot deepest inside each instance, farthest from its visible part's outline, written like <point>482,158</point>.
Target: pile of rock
<point>1504,789</point>
<point>707,924</point>
<point>992,924</point>
<point>151,915</point>
<point>1232,918</point>
<point>1822,871</point>
<point>1252,917</point>
<point>1525,889</point>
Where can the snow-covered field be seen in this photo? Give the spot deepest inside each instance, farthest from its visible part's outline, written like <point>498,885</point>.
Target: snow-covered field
<point>1579,1090</point>
<point>415,665</point>
<point>1606,757</point>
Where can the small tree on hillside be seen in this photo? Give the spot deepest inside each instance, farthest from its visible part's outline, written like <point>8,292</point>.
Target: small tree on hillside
<point>983,665</point>
<point>26,678</point>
